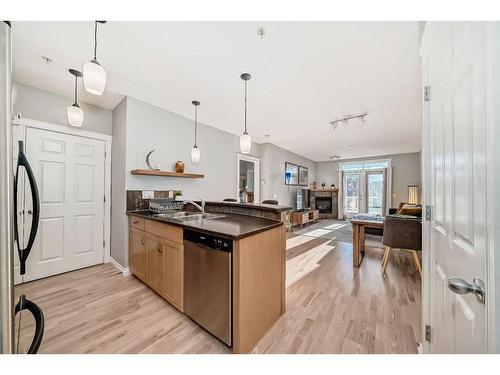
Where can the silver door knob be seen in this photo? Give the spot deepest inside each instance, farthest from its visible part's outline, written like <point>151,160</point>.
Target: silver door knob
<point>460,286</point>
<point>30,212</point>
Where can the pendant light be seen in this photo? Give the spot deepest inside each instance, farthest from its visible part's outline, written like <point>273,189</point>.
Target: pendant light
<point>94,75</point>
<point>75,113</point>
<point>195,151</point>
<point>245,138</point>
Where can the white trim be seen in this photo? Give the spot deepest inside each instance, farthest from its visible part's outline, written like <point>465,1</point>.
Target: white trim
<point>491,268</point>
<point>29,123</point>
<point>61,129</point>
<point>257,178</point>
<point>124,270</point>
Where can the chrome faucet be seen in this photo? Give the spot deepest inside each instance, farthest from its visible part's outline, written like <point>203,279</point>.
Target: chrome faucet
<point>199,207</point>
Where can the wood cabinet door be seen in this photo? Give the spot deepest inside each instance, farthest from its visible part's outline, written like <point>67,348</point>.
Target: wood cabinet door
<point>156,263</point>
<point>174,273</point>
<point>137,253</point>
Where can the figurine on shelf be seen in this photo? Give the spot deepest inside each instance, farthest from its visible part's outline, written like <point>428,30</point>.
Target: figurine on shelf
<point>314,185</point>
<point>323,185</point>
<point>332,186</point>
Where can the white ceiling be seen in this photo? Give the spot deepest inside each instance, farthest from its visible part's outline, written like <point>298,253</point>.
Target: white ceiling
<point>304,74</point>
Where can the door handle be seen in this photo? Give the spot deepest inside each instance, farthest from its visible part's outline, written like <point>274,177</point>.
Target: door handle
<point>460,286</point>
<point>22,161</point>
<point>158,248</point>
<point>143,241</point>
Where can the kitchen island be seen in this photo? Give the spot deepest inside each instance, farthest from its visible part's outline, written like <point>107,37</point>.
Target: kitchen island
<point>160,256</point>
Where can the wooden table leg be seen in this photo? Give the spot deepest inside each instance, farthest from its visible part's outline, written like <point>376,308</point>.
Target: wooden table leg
<point>355,245</point>
<point>362,239</point>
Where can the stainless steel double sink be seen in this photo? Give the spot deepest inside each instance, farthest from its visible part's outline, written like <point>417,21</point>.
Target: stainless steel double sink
<point>187,216</point>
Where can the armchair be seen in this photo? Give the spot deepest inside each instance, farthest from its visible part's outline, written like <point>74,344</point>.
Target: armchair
<point>402,232</point>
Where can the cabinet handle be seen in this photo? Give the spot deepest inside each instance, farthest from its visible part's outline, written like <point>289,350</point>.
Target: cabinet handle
<point>143,241</point>
<point>135,222</point>
<point>158,248</point>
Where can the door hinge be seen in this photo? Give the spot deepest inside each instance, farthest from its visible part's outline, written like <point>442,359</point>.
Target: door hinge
<point>103,243</point>
<point>104,198</point>
<point>428,212</point>
<point>428,333</point>
<point>427,93</point>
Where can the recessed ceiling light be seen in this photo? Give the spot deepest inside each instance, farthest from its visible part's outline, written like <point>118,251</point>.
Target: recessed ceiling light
<point>267,135</point>
<point>47,60</point>
<point>335,157</point>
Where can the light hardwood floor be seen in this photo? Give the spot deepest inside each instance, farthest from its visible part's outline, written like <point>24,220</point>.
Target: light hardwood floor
<point>331,307</point>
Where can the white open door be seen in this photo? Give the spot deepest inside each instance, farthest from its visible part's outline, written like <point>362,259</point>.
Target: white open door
<point>69,171</point>
<point>455,236</point>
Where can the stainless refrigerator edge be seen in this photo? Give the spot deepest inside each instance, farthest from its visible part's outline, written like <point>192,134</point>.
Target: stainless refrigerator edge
<point>6,193</point>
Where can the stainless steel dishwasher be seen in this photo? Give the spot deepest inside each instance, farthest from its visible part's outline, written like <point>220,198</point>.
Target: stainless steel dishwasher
<point>207,283</point>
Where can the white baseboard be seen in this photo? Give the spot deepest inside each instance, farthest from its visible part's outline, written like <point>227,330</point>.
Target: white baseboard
<point>119,267</point>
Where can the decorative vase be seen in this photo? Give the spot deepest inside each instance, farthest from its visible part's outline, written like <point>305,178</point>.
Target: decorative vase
<point>179,167</point>
<point>314,185</point>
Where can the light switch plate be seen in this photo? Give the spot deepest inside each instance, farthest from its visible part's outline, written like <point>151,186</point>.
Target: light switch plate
<point>148,194</point>
<point>170,193</point>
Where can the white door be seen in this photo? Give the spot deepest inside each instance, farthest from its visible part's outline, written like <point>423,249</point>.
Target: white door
<point>352,193</point>
<point>69,171</point>
<point>375,192</point>
<point>453,66</point>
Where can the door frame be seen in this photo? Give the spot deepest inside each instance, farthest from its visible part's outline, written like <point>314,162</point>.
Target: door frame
<point>257,180</point>
<point>25,123</point>
<point>492,270</point>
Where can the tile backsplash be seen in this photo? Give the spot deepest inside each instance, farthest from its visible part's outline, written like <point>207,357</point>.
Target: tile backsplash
<point>136,202</point>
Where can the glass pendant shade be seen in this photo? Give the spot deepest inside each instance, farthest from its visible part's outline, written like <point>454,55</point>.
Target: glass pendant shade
<point>94,77</point>
<point>195,154</point>
<point>75,115</point>
<point>245,138</point>
<point>245,143</point>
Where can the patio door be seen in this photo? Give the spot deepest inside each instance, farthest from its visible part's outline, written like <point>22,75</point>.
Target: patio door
<point>352,193</point>
<point>364,191</point>
<point>375,192</point>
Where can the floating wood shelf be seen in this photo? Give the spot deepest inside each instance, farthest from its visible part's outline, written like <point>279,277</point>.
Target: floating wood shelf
<point>148,172</point>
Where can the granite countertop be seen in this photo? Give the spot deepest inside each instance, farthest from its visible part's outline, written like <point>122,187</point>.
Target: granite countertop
<point>231,226</point>
<point>260,206</point>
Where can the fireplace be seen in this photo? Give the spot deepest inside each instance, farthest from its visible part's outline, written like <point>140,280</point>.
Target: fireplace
<point>324,205</point>
<point>326,201</point>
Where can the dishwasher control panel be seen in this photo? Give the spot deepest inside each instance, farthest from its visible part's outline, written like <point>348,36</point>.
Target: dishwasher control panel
<point>213,242</point>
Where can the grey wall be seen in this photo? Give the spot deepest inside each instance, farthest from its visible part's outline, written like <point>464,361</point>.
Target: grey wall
<point>44,106</point>
<point>119,224</point>
<point>139,127</point>
<point>405,171</point>
<point>273,173</point>
<point>172,136</point>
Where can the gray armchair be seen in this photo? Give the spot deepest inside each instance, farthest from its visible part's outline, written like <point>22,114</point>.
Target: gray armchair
<point>402,232</point>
